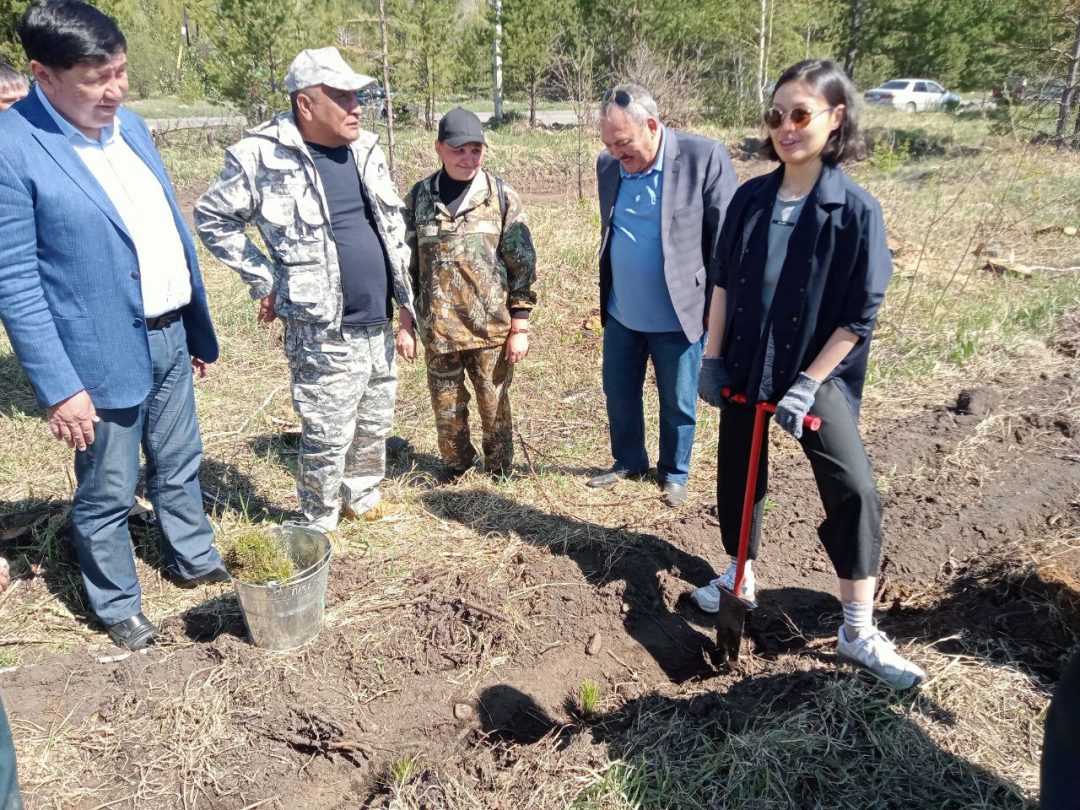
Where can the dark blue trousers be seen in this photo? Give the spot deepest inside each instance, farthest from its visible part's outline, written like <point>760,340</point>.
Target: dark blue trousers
<point>166,428</point>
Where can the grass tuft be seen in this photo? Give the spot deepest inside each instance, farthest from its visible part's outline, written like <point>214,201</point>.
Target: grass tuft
<point>258,557</point>
<point>588,697</point>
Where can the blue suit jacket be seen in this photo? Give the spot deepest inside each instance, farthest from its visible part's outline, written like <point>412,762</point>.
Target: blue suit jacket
<point>699,182</point>
<point>70,296</point>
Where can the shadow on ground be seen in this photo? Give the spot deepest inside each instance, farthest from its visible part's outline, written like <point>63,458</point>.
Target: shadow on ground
<point>800,739</point>
<point>603,556</point>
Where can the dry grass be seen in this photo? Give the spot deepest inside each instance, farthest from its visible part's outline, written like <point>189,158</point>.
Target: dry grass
<point>847,744</point>
<point>970,740</point>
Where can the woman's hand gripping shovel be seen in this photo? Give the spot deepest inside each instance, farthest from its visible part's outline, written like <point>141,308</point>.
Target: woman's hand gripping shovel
<point>731,617</point>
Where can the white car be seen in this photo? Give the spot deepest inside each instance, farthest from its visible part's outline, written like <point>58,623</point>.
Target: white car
<point>912,95</point>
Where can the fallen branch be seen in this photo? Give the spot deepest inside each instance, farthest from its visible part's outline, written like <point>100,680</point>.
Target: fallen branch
<point>478,608</point>
<point>1046,268</point>
<point>261,802</point>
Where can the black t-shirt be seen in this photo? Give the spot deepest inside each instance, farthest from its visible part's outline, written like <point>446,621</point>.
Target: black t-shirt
<point>365,267</point>
<point>450,189</point>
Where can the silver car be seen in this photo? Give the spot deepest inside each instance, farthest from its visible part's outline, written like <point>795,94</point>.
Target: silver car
<point>912,95</point>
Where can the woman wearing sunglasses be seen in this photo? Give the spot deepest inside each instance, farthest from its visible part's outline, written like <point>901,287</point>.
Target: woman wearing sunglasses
<point>800,271</point>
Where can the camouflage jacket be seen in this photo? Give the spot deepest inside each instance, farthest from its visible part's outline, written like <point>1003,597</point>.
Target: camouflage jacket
<point>468,271</point>
<point>270,180</point>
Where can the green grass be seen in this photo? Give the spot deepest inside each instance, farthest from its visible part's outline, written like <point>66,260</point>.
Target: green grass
<point>257,557</point>
<point>588,697</point>
<point>173,107</point>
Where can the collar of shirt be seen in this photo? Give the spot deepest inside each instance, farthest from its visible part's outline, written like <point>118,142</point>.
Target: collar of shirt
<point>69,131</point>
<point>658,164</point>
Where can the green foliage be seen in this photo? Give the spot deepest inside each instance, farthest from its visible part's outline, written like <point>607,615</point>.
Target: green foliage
<point>531,33</point>
<point>404,770</point>
<point>258,557</point>
<point>588,697</point>
<point>423,29</point>
<point>251,43</point>
<point>889,155</point>
<point>472,68</point>
<point>152,31</point>
<point>10,49</point>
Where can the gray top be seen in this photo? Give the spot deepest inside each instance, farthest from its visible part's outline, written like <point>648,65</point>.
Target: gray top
<point>785,214</point>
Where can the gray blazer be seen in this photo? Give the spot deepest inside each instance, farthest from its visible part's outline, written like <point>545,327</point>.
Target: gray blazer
<point>699,182</point>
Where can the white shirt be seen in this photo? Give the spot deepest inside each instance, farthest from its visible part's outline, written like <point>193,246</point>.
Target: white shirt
<point>143,207</point>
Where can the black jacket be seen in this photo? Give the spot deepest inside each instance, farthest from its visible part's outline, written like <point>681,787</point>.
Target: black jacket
<point>835,275</point>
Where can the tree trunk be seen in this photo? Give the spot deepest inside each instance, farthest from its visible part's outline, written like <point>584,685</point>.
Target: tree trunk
<point>496,62</point>
<point>1069,96</point>
<point>386,88</point>
<point>532,100</point>
<point>429,97</point>
<point>768,42</point>
<point>761,53</point>
<point>851,58</point>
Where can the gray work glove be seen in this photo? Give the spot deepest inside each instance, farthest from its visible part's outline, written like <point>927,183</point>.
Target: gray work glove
<point>713,379</point>
<point>796,404</point>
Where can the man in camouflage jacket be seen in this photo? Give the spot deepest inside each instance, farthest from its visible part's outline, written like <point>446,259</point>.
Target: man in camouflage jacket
<point>318,190</point>
<point>473,267</point>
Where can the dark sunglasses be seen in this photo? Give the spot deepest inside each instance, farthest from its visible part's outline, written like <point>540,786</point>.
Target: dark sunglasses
<point>800,117</point>
<point>620,97</point>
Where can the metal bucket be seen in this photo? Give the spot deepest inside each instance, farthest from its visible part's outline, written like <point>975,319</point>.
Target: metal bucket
<point>287,615</point>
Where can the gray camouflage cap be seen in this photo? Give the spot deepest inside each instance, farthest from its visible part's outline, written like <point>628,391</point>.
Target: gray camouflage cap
<point>323,66</point>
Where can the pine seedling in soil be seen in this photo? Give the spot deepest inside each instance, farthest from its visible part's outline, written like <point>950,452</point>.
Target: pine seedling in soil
<point>404,770</point>
<point>257,558</point>
<point>588,697</point>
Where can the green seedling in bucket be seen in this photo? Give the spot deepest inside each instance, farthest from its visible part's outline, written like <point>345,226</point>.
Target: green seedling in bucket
<point>258,558</point>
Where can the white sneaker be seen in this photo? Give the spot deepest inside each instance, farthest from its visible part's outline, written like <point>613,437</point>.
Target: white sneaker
<point>708,597</point>
<point>878,656</point>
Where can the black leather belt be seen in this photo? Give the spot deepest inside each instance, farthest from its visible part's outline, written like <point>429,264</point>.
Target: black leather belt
<point>161,321</point>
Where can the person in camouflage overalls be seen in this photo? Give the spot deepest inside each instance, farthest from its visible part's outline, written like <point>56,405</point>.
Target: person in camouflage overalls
<point>319,192</point>
<point>472,270</point>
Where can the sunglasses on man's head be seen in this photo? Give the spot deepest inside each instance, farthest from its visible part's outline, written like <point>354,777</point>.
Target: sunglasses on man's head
<point>800,117</point>
<point>620,97</point>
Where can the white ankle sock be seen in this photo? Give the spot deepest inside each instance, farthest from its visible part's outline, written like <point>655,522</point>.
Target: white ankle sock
<point>733,563</point>
<point>858,619</point>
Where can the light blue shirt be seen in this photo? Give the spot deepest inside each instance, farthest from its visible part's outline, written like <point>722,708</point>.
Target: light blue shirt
<point>639,297</point>
<point>139,199</point>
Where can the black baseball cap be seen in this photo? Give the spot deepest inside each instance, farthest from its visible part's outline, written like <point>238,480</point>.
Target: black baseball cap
<point>459,127</point>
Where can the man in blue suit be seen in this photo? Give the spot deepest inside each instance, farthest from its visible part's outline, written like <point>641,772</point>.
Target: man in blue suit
<point>102,298</point>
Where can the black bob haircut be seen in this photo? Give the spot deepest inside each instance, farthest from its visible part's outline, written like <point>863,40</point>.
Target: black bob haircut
<point>828,79</point>
<point>63,33</point>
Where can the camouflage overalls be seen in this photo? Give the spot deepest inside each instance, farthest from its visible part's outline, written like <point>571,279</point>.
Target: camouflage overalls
<point>468,272</point>
<point>343,378</point>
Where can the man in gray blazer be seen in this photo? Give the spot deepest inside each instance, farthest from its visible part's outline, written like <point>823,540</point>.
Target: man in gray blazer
<point>663,195</point>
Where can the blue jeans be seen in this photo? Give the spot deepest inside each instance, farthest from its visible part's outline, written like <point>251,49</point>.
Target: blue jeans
<point>677,363</point>
<point>9,778</point>
<point>165,426</point>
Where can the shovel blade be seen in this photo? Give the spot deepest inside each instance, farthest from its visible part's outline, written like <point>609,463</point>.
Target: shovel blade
<point>730,620</point>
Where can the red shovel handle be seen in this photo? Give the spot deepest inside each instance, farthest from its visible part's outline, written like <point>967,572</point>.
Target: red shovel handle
<point>810,422</point>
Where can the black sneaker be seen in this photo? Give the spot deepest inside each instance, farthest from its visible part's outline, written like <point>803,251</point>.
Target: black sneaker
<point>212,577</point>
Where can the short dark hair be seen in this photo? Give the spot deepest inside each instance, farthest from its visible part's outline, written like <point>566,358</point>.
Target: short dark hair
<point>829,79</point>
<point>11,78</point>
<point>63,33</point>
